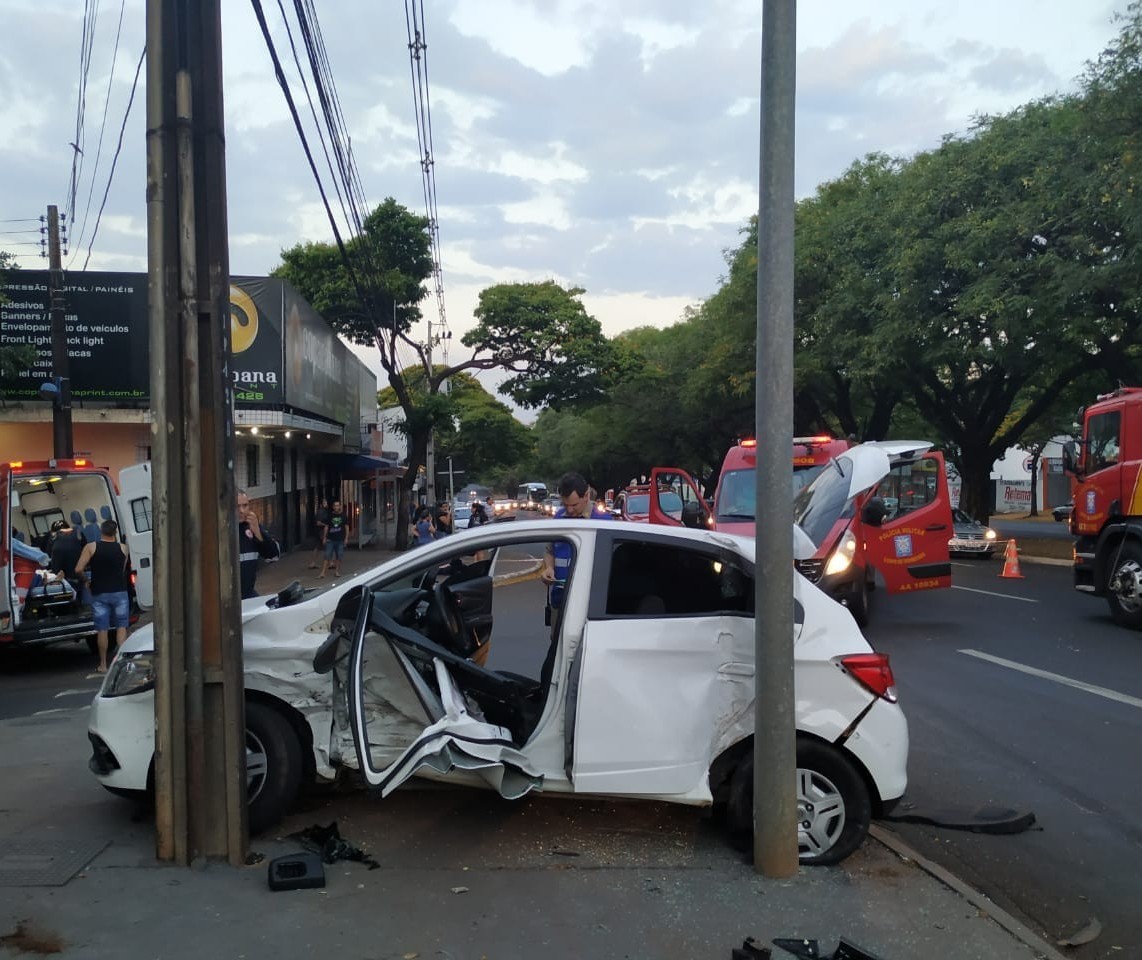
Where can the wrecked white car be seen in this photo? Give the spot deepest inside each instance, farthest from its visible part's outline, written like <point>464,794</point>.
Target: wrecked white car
<point>447,662</point>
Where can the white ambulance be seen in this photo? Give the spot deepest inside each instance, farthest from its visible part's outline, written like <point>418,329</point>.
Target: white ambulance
<point>34,607</point>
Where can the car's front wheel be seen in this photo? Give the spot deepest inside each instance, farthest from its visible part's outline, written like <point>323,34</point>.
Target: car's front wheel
<point>273,765</point>
<point>834,809</point>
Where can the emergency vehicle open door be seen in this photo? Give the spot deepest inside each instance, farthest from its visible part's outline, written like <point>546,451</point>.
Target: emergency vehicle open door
<point>675,499</point>
<point>910,547</point>
<point>137,525</point>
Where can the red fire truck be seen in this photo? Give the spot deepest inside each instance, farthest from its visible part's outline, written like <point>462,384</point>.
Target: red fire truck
<point>1106,520</point>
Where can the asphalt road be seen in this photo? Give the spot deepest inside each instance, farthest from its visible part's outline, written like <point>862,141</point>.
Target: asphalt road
<point>1022,694</point>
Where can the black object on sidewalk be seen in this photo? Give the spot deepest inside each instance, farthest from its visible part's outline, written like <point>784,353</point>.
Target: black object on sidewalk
<point>809,950</point>
<point>296,871</point>
<point>327,842</point>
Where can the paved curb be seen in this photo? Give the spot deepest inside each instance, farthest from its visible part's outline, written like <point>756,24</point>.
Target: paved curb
<point>1020,931</point>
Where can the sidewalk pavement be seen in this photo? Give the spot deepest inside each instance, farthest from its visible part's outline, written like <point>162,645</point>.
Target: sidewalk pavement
<point>462,874</point>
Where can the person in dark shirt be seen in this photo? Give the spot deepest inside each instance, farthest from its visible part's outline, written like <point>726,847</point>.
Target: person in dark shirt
<point>67,545</point>
<point>108,561</point>
<point>254,544</point>
<point>336,534</point>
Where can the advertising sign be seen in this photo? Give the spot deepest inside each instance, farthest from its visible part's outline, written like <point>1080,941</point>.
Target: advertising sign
<point>321,375</point>
<point>108,336</point>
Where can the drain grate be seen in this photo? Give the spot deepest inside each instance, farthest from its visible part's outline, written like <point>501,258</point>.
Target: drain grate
<point>45,863</point>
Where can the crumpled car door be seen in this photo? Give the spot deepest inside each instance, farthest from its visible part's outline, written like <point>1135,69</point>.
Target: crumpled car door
<point>455,742</point>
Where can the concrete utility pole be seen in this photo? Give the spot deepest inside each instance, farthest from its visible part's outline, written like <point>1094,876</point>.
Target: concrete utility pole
<point>775,745</point>
<point>200,757</point>
<point>430,454</point>
<point>62,446</point>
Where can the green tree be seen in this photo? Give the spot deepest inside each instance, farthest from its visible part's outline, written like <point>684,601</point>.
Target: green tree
<point>540,332</point>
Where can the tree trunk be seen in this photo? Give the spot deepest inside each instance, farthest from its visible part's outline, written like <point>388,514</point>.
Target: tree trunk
<point>975,492</point>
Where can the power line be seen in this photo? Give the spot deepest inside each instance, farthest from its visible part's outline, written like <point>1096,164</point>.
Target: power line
<point>115,158</point>
<point>102,130</point>
<point>422,106</point>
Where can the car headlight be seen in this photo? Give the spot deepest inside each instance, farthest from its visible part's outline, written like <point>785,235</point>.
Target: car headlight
<point>129,673</point>
<point>842,557</point>
<point>989,534</point>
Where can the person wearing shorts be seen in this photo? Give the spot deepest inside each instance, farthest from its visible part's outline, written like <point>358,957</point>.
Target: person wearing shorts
<point>108,562</point>
<point>336,533</point>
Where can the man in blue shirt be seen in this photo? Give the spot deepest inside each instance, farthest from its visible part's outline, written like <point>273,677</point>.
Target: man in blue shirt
<point>577,504</point>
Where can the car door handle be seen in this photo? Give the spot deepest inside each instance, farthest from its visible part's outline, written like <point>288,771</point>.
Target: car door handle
<point>937,526</point>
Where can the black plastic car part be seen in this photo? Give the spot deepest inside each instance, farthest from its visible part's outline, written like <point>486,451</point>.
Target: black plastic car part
<point>296,871</point>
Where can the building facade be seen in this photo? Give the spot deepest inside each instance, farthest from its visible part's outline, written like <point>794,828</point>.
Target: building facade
<point>305,407</point>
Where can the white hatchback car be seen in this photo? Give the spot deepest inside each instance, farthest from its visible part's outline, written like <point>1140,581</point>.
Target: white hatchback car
<point>640,684</point>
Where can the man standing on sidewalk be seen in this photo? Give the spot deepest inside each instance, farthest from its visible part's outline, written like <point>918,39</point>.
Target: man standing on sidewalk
<point>336,534</point>
<point>253,545</point>
<point>107,558</point>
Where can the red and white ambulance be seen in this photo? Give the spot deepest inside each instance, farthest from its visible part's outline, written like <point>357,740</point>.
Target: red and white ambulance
<point>35,494</point>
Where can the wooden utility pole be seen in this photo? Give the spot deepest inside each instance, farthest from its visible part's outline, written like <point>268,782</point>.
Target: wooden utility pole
<point>62,447</point>
<point>775,727</point>
<point>200,761</point>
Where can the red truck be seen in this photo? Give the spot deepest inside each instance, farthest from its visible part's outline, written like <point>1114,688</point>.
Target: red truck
<point>1106,466</point>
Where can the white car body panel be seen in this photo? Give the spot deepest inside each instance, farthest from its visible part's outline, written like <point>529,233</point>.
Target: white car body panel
<point>693,677</point>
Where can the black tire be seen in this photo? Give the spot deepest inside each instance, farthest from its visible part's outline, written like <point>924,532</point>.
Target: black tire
<point>833,805</point>
<point>861,606</point>
<point>274,765</point>
<point>1124,586</point>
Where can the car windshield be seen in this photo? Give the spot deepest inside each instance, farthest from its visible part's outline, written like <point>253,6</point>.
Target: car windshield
<point>736,495</point>
<point>825,501</point>
<point>805,475</point>
<point>958,516</point>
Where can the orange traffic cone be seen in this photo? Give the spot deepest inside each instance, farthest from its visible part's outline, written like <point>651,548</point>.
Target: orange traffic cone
<point>1011,561</point>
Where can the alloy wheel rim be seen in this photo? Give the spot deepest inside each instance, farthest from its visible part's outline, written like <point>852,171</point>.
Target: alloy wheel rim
<point>820,813</point>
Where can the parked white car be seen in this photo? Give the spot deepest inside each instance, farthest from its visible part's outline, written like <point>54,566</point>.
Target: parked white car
<point>642,686</point>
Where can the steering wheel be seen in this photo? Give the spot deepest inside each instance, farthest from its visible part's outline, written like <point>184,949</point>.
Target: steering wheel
<point>445,623</point>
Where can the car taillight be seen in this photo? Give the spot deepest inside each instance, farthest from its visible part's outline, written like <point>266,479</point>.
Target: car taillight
<point>872,670</point>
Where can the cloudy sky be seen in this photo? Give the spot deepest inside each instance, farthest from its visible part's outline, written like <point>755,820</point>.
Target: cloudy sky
<point>611,146</point>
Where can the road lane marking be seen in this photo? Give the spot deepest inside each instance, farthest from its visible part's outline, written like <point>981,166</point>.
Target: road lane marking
<point>1058,678</point>
<point>992,593</point>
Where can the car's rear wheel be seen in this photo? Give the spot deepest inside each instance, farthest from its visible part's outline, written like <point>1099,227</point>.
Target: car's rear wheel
<point>1124,588</point>
<point>833,804</point>
<point>273,765</point>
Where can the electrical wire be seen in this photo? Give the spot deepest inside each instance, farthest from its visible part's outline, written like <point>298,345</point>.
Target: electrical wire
<point>102,129</point>
<point>115,158</point>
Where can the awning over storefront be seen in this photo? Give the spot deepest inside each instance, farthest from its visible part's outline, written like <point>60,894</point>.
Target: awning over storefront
<point>359,466</point>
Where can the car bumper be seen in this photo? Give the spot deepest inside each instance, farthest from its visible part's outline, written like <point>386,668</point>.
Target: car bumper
<point>981,548</point>
<point>121,732</point>
<point>880,742</point>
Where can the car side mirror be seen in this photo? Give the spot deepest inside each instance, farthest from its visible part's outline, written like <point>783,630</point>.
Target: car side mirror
<point>326,656</point>
<point>1070,458</point>
<point>874,512</point>
<point>691,514</point>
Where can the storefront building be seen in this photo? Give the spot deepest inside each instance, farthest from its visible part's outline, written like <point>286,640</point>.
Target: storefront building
<point>305,407</point>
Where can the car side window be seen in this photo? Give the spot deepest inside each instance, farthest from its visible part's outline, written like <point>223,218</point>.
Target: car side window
<point>908,487</point>
<point>1102,440</point>
<point>655,580</point>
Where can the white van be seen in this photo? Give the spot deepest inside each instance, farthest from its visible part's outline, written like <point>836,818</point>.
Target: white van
<point>35,494</point>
